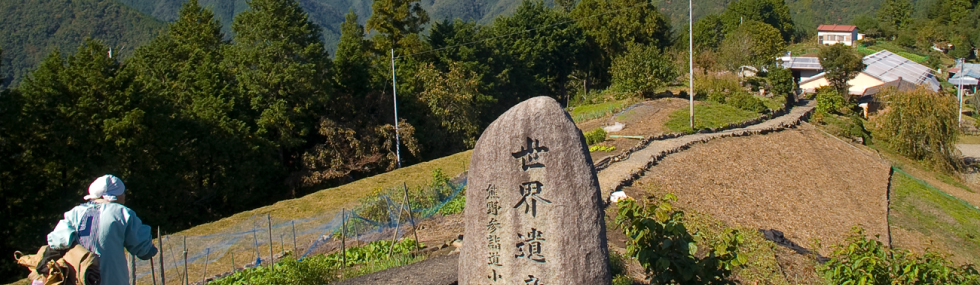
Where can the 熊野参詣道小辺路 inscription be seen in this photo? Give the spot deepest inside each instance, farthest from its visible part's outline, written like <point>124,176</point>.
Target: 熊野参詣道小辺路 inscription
<point>536,216</point>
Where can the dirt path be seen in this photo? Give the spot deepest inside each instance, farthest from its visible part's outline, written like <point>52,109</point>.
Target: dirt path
<point>623,172</point>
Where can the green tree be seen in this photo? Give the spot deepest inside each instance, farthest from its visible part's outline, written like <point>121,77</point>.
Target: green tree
<point>753,43</point>
<point>642,69</point>
<point>536,60</point>
<point>610,34</point>
<point>920,125</point>
<point>282,70</point>
<point>639,22</point>
<point>351,64</point>
<point>868,25</point>
<point>772,12</point>
<point>841,63</point>
<point>781,80</point>
<point>394,20</point>
<point>455,99</point>
<point>708,32</point>
<point>189,101</point>
<point>894,15</point>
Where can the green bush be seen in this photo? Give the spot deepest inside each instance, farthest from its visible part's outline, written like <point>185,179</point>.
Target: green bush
<point>658,238</point>
<point>454,206</point>
<point>642,69</point>
<point>745,101</point>
<point>323,269</point>
<point>596,148</point>
<point>830,102</point>
<point>595,136</point>
<point>867,261</point>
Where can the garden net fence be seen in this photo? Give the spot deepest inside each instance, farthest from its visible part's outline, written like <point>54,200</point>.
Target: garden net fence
<point>261,238</point>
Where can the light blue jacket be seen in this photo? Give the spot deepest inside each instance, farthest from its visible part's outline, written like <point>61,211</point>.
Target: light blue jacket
<point>117,228</point>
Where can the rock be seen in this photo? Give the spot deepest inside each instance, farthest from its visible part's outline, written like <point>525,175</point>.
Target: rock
<point>614,127</point>
<point>533,207</point>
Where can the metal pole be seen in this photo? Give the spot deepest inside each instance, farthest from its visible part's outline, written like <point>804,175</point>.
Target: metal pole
<point>255,242</point>
<point>204,277</point>
<point>232,262</point>
<point>343,236</point>
<point>357,240</point>
<point>282,244</point>
<point>186,273</point>
<point>394,99</point>
<point>294,238</point>
<point>411,218</point>
<point>272,257</point>
<point>959,94</point>
<point>163,276</point>
<point>174,258</point>
<point>690,55</point>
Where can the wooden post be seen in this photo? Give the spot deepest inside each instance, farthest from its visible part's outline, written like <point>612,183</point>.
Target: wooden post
<point>132,268</point>
<point>153,271</point>
<point>163,276</point>
<point>187,274</point>
<point>394,234</point>
<point>411,218</point>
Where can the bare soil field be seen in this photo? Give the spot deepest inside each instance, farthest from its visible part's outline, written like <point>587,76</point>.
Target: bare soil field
<point>799,181</point>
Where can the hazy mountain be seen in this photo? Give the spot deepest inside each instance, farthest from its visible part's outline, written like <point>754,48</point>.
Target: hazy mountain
<point>30,30</point>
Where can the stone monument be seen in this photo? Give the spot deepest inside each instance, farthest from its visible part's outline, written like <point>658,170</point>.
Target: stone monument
<point>533,207</point>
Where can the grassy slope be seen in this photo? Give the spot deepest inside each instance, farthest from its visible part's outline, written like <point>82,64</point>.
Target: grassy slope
<point>328,201</point>
<point>952,223</point>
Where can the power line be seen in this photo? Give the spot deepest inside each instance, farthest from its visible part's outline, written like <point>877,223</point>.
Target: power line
<point>524,31</point>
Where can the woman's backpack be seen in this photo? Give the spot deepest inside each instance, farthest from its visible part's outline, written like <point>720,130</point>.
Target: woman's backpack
<point>75,266</point>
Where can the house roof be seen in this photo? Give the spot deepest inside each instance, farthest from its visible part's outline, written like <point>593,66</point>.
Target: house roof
<point>900,84</point>
<point>836,28</point>
<point>887,66</point>
<point>805,63</point>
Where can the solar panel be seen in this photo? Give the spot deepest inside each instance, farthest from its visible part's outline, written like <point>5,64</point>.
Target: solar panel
<point>887,66</point>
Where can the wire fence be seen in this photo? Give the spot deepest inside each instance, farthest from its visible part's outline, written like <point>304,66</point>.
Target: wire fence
<point>262,239</point>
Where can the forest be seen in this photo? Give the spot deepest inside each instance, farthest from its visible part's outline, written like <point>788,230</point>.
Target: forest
<point>205,120</point>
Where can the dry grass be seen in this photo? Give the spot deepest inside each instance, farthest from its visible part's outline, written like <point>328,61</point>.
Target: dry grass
<point>801,182</point>
<point>329,201</point>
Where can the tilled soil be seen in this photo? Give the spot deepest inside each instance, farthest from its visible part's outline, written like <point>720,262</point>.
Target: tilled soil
<point>799,181</point>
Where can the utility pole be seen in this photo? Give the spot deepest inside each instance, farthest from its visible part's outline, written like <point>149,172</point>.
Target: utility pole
<point>959,94</point>
<point>394,98</point>
<point>690,55</point>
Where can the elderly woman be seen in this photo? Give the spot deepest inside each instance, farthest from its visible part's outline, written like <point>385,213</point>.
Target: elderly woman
<point>105,227</point>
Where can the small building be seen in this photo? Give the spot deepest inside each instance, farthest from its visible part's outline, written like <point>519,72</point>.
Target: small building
<point>967,75</point>
<point>881,67</point>
<point>833,34</point>
<point>803,67</point>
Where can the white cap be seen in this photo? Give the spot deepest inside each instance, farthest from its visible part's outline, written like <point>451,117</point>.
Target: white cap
<point>105,187</point>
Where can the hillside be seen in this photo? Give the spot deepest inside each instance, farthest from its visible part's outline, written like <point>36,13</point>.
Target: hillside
<point>32,29</point>
<point>329,14</point>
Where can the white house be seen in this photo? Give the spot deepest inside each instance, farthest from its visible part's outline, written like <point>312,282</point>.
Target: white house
<point>881,67</point>
<point>832,34</point>
<point>803,67</point>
